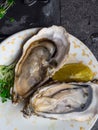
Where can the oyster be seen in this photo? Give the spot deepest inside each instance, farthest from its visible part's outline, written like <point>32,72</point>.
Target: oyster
<point>41,58</point>
<point>65,101</point>
<point>45,54</point>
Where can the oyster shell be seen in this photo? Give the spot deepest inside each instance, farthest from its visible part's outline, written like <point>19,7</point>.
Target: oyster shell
<point>42,56</point>
<point>65,101</point>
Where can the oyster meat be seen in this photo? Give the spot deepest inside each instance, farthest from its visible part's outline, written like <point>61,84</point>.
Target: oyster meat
<point>65,101</point>
<point>42,56</point>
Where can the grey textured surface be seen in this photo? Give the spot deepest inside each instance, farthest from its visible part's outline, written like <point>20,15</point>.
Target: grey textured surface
<point>80,18</point>
<point>29,16</point>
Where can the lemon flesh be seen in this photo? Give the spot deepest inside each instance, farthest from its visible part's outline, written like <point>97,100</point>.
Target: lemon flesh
<point>74,72</point>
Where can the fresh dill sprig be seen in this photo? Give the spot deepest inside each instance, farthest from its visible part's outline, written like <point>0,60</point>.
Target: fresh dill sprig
<point>6,81</point>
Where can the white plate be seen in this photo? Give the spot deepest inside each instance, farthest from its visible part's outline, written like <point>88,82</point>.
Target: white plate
<point>12,119</point>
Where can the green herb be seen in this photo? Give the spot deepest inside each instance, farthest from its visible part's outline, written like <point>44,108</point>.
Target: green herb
<point>6,81</point>
<point>12,20</point>
<point>5,6</point>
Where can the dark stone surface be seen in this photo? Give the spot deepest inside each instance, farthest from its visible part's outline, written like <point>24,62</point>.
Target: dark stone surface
<point>80,18</point>
<point>39,14</point>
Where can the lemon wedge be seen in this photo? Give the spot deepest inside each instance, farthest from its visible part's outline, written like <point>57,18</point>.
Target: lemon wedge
<point>74,72</point>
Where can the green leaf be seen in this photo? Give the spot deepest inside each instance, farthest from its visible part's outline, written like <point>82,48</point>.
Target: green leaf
<point>6,81</point>
<point>12,20</point>
<point>5,6</point>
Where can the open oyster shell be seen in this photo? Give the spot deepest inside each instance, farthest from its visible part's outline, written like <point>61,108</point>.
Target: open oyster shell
<point>64,101</point>
<point>43,55</point>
